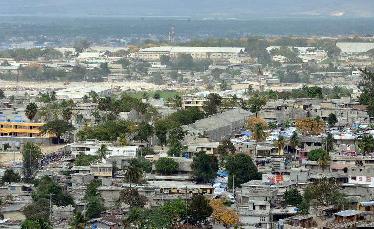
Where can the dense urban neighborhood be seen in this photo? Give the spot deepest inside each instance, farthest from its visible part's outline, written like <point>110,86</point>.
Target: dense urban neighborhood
<point>250,132</point>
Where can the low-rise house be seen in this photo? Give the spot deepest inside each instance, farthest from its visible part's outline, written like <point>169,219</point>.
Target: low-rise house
<point>190,101</point>
<point>118,154</point>
<point>101,170</point>
<point>254,199</point>
<point>207,147</point>
<point>365,206</point>
<point>296,222</point>
<point>110,194</point>
<point>219,126</point>
<point>78,179</point>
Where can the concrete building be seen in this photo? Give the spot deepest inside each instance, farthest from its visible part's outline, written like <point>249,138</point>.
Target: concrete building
<point>212,53</point>
<point>219,126</point>
<point>21,129</point>
<point>193,101</point>
<point>101,170</point>
<point>91,148</point>
<point>254,200</point>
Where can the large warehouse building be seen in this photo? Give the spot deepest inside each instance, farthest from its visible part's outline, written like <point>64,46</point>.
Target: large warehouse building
<point>213,53</point>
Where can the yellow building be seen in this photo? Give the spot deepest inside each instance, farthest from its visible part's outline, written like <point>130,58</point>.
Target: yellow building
<point>22,129</point>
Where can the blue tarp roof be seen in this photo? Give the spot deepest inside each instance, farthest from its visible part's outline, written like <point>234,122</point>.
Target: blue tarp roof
<point>222,173</point>
<point>246,133</point>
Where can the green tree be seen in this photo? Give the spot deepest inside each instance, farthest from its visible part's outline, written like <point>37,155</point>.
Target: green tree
<point>257,126</point>
<point>224,85</point>
<point>10,176</point>
<point>85,160</point>
<point>294,140</point>
<point>321,156</point>
<point>324,192</point>
<point>167,215</point>
<point>91,190</point>
<point>35,224</point>
<point>216,72</point>
<point>162,126</point>
<point>213,103</point>
<point>104,68</point>
<point>367,89</point>
<point>31,110</point>
<point>95,203</point>
<point>166,166</point>
<point>280,144</point>
<point>204,167</point>
<point>78,221</point>
<point>145,131</point>
<point>145,164</point>
<point>226,147</point>
<point>157,95</point>
<point>241,168</point>
<point>165,60</point>
<point>366,144</point>
<point>175,210</point>
<point>57,127</point>
<point>293,197</point>
<point>46,187</point>
<point>176,136</point>
<point>332,120</point>
<point>256,103</point>
<point>103,151</point>
<point>67,113</point>
<point>31,154</point>
<point>125,63</point>
<point>38,210</point>
<point>329,143</point>
<point>199,210</point>
<point>144,151</point>
<point>184,62</point>
<point>81,45</point>
<point>134,172</point>
<point>94,207</point>
<point>316,154</point>
<point>2,94</point>
<point>131,197</point>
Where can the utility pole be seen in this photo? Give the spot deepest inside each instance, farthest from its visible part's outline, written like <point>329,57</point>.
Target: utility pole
<point>186,201</point>
<point>50,207</point>
<point>233,185</point>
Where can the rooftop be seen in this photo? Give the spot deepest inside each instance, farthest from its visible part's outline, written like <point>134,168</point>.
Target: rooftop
<point>179,49</point>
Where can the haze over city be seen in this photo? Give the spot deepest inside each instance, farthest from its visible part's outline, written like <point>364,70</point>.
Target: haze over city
<point>186,114</point>
<point>191,8</point>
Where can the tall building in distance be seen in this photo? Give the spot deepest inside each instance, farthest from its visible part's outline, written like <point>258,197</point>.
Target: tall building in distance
<point>172,34</point>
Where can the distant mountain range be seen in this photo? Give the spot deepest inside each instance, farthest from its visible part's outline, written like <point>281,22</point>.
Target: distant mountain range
<point>226,9</point>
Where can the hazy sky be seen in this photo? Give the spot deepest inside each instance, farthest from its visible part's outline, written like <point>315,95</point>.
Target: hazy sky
<point>191,8</point>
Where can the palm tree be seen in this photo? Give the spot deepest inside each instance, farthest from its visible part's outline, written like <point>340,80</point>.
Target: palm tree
<point>258,134</point>
<point>294,140</point>
<point>78,221</point>
<point>324,160</point>
<point>134,172</point>
<point>102,152</point>
<point>280,143</point>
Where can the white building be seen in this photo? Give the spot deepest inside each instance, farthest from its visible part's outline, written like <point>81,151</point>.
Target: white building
<point>91,148</point>
<point>355,47</point>
<point>361,180</point>
<point>213,53</point>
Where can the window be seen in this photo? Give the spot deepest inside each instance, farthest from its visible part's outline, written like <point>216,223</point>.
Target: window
<point>262,207</point>
<point>262,219</point>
